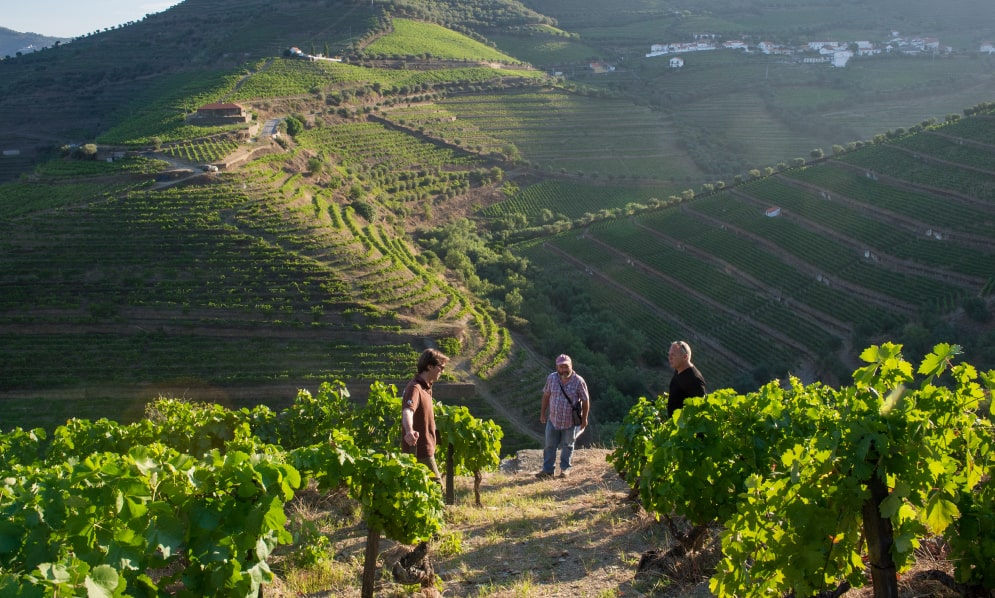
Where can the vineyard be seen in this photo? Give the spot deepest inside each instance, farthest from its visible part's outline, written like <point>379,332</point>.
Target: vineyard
<point>813,486</point>
<point>287,77</point>
<point>203,151</point>
<point>195,494</point>
<point>857,246</point>
<point>412,38</point>
<point>570,133</point>
<point>427,187</point>
<point>554,198</point>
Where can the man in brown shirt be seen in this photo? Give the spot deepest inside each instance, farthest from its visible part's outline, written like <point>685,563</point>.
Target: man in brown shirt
<point>417,417</point>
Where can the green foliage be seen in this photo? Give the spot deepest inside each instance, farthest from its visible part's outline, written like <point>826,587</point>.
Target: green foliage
<point>158,113</point>
<point>364,209</point>
<point>105,503</point>
<point>104,519</point>
<point>294,126</point>
<point>788,471</point>
<point>451,346</point>
<point>419,38</point>
<point>399,496</point>
<point>634,438</point>
<point>973,542</point>
<point>312,419</point>
<point>20,447</point>
<point>378,423</point>
<point>476,443</point>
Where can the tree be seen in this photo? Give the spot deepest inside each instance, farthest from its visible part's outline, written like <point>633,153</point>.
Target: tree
<point>294,126</point>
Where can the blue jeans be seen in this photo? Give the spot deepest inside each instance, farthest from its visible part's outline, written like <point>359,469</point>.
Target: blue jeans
<point>562,439</point>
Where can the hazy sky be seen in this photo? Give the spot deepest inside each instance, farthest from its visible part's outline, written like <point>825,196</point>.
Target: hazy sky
<point>71,18</point>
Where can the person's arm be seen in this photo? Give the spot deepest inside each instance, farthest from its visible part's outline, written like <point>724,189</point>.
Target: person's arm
<point>408,427</point>
<point>545,407</point>
<point>585,404</point>
<point>697,385</point>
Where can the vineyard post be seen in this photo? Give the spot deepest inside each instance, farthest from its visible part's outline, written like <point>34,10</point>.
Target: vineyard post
<point>450,475</point>
<point>370,562</point>
<point>880,537</point>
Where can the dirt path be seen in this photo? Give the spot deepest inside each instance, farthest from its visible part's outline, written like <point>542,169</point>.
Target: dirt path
<point>520,424</point>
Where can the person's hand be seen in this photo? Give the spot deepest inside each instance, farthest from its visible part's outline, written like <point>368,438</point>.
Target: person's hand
<point>411,438</point>
<point>542,418</point>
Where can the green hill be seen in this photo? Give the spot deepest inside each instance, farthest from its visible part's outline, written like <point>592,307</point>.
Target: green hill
<point>416,195</point>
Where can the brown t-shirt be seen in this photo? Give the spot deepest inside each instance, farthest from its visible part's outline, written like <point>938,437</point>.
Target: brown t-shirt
<point>418,397</point>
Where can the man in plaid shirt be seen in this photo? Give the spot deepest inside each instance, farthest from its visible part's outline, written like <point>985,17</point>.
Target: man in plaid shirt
<point>563,389</point>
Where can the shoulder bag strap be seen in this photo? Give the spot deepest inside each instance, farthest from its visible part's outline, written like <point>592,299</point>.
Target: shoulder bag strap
<point>564,391</point>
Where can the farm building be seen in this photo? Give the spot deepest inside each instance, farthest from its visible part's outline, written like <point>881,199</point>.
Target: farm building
<point>772,212</point>
<point>220,113</point>
<point>676,62</point>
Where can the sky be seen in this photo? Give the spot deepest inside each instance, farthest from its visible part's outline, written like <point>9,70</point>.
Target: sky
<point>72,18</point>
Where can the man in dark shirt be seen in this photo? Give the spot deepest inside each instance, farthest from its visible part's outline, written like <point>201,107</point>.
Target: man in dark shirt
<point>417,415</point>
<point>687,380</point>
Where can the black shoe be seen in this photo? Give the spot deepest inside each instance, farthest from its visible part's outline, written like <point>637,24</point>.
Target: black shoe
<point>542,475</point>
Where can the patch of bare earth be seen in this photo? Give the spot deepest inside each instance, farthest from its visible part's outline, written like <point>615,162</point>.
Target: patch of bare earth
<point>575,536</point>
<point>580,536</point>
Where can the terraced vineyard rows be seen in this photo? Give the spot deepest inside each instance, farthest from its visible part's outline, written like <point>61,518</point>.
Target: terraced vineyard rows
<point>287,77</point>
<point>573,200</point>
<point>950,150</point>
<point>926,212</point>
<point>715,326</point>
<point>979,128</point>
<point>194,322</point>
<point>438,121</point>
<point>204,150</point>
<point>189,357</point>
<point>855,251</point>
<point>723,292</point>
<point>875,235</point>
<point>571,133</point>
<point>380,267</point>
<point>824,253</point>
<point>779,277</point>
<point>395,165</point>
<point>645,319</point>
<point>411,37</point>
<point>925,173</point>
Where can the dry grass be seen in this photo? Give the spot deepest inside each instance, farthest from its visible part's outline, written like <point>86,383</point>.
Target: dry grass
<point>578,537</point>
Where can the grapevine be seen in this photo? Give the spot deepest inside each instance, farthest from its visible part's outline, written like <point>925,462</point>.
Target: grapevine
<point>809,481</point>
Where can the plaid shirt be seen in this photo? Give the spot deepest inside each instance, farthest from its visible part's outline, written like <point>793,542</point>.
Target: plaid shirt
<point>559,406</point>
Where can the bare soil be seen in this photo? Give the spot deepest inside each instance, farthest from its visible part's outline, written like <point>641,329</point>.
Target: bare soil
<point>580,536</point>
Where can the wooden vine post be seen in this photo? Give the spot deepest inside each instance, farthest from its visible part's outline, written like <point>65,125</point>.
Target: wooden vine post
<point>880,537</point>
<point>370,561</point>
<point>450,475</point>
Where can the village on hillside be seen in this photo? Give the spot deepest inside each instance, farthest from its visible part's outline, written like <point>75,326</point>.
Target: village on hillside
<point>834,53</point>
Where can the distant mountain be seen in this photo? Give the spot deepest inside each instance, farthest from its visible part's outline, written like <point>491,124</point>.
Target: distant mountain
<point>12,42</point>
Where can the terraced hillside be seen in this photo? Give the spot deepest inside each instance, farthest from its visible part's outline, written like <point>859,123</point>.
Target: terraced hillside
<point>452,197</point>
<point>790,272</point>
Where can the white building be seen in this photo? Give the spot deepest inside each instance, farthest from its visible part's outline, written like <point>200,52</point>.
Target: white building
<point>841,58</point>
